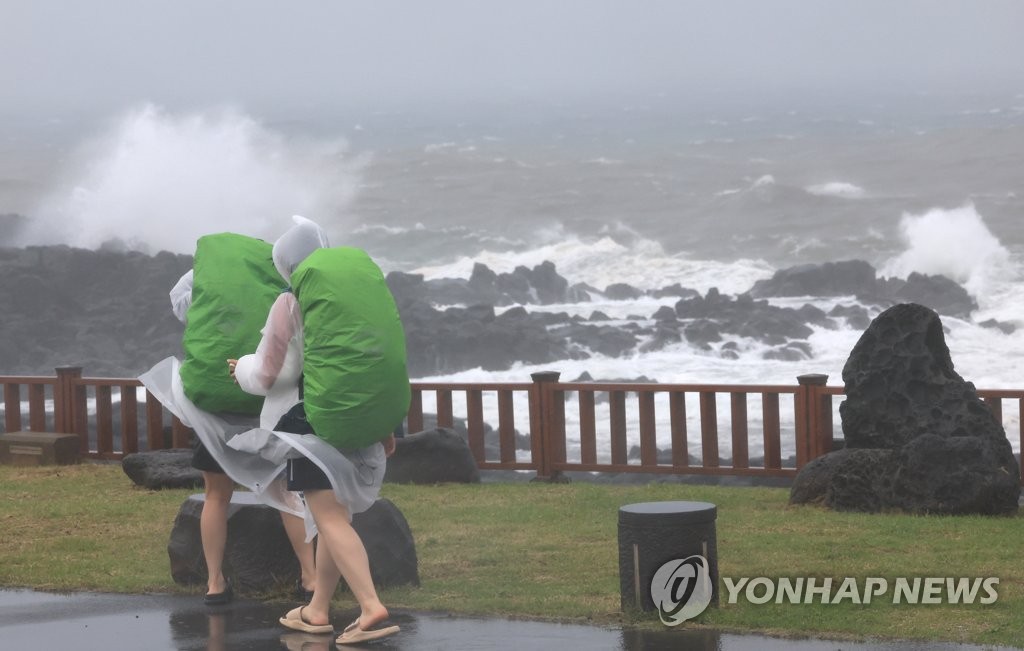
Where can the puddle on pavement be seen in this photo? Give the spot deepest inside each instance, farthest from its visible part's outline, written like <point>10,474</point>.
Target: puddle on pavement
<point>103,622</point>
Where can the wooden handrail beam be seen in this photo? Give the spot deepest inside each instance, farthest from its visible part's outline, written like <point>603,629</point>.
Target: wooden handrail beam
<point>645,423</point>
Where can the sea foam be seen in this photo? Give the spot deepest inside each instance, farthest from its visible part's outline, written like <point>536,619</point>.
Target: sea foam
<point>601,262</point>
<point>839,189</point>
<point>157,181</point>
<point>955,243</point>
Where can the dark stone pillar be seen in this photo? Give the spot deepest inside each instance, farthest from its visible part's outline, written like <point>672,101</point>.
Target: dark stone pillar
<point>654,533</point>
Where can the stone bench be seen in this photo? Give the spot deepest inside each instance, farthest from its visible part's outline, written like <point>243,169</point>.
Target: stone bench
<point>38,448</point>
<point>258,556</point>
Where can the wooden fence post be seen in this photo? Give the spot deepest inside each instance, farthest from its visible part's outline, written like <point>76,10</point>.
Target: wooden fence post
<point>543,424</point>
<point>809,419</point>
<point>12,416</point>
<point>68,401</point>
<point>63,399</point>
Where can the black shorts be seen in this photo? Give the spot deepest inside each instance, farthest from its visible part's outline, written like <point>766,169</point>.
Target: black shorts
<point>304,475</point>
<point>203,460</point>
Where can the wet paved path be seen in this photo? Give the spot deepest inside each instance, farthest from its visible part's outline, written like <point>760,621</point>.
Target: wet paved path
<point>40,621</point>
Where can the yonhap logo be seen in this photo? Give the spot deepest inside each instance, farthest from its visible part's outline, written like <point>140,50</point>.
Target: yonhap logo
<point>681,589</point>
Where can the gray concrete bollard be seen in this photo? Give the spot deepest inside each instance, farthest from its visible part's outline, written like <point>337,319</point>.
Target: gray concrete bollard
<point>654,533</point>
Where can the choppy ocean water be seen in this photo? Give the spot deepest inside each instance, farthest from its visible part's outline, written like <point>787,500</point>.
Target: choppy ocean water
<point>624,194</point>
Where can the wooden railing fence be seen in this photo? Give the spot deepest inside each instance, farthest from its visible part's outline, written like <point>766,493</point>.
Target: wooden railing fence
<point>544,426</point>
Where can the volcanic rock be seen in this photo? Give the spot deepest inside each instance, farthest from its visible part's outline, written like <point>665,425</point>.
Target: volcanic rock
<point>436,456</point>
<point>258,556</point>
<point>845,278</point>
<point>162,469</point>
<point>917,436</point>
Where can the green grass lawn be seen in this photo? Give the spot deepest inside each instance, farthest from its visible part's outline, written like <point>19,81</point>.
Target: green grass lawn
<point>550,551</point>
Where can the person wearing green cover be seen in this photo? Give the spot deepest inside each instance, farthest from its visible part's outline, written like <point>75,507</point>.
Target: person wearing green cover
<point>341,317</point>
<point>222,302</point>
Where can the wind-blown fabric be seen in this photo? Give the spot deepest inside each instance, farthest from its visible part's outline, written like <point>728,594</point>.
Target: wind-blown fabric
<point>181,296</point>
<point>222,301</point>
<point>261,474</point>
<point>356,474</point>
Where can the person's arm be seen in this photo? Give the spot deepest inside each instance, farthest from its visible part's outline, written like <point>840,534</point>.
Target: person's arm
<point>257,372</point>
<point>389,444</point>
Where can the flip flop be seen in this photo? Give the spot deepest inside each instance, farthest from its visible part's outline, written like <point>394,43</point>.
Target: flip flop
<point>354,635</point>
<point>295,621</point>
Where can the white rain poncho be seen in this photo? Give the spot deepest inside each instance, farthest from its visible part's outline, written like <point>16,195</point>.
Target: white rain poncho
<point>256,457</point>
<point>355,475</point>
<point>214,430</point>
<point>181,296</point>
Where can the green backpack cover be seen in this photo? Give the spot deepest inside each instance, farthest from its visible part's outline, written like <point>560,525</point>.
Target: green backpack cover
<point>356,386</point>
<point>234,284</point>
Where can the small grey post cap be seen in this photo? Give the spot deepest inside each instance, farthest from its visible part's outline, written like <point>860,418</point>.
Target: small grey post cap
<point>667,513</point>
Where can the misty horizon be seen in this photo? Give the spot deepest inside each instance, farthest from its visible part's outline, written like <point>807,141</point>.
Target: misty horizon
<point>238,114</point>
<point>65,58</point>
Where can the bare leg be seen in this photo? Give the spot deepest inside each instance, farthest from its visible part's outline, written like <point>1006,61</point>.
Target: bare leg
<point>296,530</point>
<point>341,544</point>
<point>213,527</point>
<point>327,576</point>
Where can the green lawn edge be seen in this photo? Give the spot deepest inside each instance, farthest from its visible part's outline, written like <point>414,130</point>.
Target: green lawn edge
<point>548,552</point>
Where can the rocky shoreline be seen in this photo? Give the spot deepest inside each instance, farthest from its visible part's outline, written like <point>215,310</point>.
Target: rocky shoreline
<point>108,312</point>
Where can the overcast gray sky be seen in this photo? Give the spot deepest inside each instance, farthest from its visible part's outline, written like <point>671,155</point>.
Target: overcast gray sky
<point>104,54</point>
